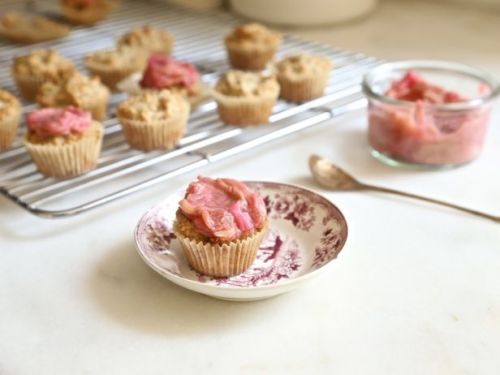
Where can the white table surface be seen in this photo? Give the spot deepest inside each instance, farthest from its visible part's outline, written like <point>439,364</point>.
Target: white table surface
<point>415,291</point>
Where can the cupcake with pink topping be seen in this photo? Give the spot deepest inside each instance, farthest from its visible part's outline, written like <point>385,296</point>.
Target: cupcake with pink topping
<point>220,224</point>
<point>63,142</point>
<point>165,73</point>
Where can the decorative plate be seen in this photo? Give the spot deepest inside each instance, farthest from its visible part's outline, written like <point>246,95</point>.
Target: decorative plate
<point>306,232</point>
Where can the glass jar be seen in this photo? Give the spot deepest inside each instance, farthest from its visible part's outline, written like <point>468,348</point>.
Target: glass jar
<point>421,133</point>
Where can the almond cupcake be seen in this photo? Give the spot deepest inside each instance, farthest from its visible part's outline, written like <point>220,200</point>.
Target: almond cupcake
<point>39,66</point>
<point>10,115</point>
<point>220,224</point>
<point>245,98</point>
<point>154,120</point>
<point>148,38</point>
<point>87,12</point>
<point>251,46</point>
<point>63,142</point>
<point>78,91</point>
<point>163,72</point>
<point>23,28</point>
<point>112,66</point>
<point>303,77</point>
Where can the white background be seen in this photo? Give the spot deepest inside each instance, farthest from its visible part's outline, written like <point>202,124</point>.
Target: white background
<point>415,291</point>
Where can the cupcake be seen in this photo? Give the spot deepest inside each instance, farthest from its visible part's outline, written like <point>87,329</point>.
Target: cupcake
<point>78,91</point>
<point>23,28</point>
<point>148,38</point>
<point>31,70</point>
<point>112,66</point>
<point>251,46</point>
<point>63,142</point>
<point>220,224</point>
<point>303,77</point>
<point>154,120</point>
<point>10,114</point>
<point>245,98</point>
<point>87,12</point>
<point>163,72</point>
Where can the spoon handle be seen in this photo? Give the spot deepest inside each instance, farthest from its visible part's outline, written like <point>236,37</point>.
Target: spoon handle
<point>431,200</point>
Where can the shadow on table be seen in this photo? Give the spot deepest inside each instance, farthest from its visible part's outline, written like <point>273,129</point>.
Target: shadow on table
<point>132,294</point>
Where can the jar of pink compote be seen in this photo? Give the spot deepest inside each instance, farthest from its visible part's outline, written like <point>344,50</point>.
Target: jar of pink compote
<point>428,113</point>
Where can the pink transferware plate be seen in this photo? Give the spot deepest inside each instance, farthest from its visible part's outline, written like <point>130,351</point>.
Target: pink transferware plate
<point>306,232</point>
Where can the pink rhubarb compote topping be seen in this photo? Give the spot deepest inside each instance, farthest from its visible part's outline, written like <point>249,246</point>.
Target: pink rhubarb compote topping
<point>47,122</point>
<point>412,87</point>
<point>421,132</point>
<point>163,72</point>
<point>223,208</point>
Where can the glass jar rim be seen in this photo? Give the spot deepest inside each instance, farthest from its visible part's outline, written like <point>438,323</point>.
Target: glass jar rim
<point>437,65</point>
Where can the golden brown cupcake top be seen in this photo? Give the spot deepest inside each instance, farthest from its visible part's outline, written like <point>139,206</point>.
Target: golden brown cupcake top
<point>253,35</point>
<point>24,28</point>
<point>75,90</point>
<point>9,104</point>
<point>119,58</point>
<point>45,64</point>
<point>303,66</point>
<point>151,106</point>
<point>148,38</point>
<point>246,84</point>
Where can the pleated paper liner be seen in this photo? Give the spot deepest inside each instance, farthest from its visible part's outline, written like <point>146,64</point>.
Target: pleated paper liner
<point>69,159</point>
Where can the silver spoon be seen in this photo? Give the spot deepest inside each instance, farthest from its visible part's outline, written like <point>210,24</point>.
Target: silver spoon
<point>334,178</point>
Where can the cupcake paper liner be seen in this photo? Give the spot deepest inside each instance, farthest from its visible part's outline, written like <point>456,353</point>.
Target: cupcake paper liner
<point>67,160</point>
<point>306,89</point>
<point>222,260</point>
<point>245,59</point>
<point>8,129</point>
<point>160,135</point>
<point>241,111</point>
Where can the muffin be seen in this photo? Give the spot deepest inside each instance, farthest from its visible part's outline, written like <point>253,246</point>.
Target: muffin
<point>220,224</point>
<point>39,66</point>
<point>154,120</point>
<point>87,12</point>
<point>78,91</point>
<point>23,28</point>
<point>163,72</point>
<point>112,66</point>
<point>245,98</point>
<point>63,142</point>
<point>148,38</point>
<point>303,77</point>
<point>10,115</point>
<point>251,46</point>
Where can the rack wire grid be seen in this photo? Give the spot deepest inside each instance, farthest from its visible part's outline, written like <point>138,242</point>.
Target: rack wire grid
<point>121,170</point>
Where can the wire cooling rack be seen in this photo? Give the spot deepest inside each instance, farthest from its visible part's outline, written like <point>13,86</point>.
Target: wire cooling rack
<point>122,171</point>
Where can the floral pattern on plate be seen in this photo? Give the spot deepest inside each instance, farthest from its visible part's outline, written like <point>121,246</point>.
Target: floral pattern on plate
<point>306,232</point>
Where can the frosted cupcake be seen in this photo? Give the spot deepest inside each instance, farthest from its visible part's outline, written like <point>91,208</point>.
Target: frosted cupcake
<point>78,91</point>
<point>39,66</point>
<point>23,28</point>
<point>220,224</point>
<point>303,77</point>
<point>63,142</point>
<point>163,72</point>
<point>112,66</point>
<point>10,115</point>
<point>251,46</point>
<point>87,12</point>
<point>245,98</point>
<point>154,120</point>
<point>149,39</point>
